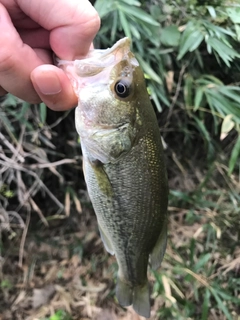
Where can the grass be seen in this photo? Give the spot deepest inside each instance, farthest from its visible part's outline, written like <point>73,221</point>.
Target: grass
<point>61,254</point>
<point>52,262</point>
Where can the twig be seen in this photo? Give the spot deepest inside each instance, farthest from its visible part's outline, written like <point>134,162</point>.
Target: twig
<point>15,152</point>
<point>11,164</point>
<point>177,90</point>
<point>50,164</point>
<point>23,239</point>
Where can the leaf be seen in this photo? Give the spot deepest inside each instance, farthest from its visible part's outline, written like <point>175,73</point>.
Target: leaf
<point>125,24</point>
<point>104,7</point>
<point>148,70</point>
<point>137,13</point>
<point>188,90</point>
<point>227,126</point>
<point>237,28</point>
<point>234,156</point>
<point>212,11</point>
<point>221,304</point>
<point>234,14</point>
<point>43,112</point>
<point>206,136</point>
<point>42,296</point>
<point>190,43</point>
<point>226,53</point>
<point>202,261</point>
<point>170,36</point>
<point>206,304</point>
<point>198,98</point>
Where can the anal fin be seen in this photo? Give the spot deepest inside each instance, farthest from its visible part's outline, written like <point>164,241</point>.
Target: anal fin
<point>158,252</point>
<point>107,243</point>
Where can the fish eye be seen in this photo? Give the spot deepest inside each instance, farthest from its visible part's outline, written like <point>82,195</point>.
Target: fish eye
<point>122,88</point>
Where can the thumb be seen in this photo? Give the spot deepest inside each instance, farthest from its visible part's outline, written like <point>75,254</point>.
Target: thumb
<point>53,87</point>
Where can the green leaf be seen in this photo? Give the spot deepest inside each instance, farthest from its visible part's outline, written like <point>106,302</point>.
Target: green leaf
<point>43,112</point>
<point>198,98</point>
<point>125,24</point>
<point>221,304</point>
<point>148,70</point>
<point>206,304</point>
<point>188,90</point>
<point>190,42</point>
<point>226,53</point>
<point>212,11</point>
<point>237,28</point>
<point>234,156</point>
<point>104,7</point>
<point>170,36</point>
<point>234,14</point>
<point>202,261</point>
<point>137,13</point>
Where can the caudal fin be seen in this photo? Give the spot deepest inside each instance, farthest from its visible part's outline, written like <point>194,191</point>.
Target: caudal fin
<point>138,296</point>
<point>141,300</point>
<point>124,293</point>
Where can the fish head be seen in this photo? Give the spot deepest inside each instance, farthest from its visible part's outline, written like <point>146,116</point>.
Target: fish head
<point>108,84</point>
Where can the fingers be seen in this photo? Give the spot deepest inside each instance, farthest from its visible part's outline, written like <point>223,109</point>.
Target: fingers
<point>53,87</point>
<point>70,27</point>
<point>72,24</point>
<point>17,61</point>
<point>2,92</point>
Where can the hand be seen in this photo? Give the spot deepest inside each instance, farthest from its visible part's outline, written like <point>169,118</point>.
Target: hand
<point>30,31</point>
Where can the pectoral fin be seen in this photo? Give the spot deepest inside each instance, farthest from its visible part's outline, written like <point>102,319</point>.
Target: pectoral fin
<point>107,243</point>
<point>157,254</point>
<point>103,181</point>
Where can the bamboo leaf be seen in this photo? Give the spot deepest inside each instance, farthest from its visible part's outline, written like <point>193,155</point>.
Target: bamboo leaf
<point>43,112</point>
<point>198,98</point>
<point>234,156</point>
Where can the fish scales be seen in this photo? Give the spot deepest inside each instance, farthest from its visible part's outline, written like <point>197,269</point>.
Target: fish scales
<point>129,208</point>
<point>123,165</point>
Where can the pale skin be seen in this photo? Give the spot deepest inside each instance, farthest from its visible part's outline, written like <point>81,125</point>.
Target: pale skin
<point>30,31</point>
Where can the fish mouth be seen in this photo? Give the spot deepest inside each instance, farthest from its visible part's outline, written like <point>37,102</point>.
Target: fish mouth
<point>98,60</point>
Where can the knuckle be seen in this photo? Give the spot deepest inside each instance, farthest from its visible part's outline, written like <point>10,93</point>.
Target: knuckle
<point>95,21</point>
<point>6,61</point>
<point>89,22</point>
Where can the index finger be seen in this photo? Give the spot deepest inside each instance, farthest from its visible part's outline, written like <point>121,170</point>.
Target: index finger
<point>73,24</point>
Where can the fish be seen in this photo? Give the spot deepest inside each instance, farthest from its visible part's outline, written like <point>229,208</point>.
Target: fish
<point>123,165</point>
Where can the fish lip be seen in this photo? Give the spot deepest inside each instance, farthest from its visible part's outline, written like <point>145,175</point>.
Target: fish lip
<point>121,44</point>
<point>97,60</point>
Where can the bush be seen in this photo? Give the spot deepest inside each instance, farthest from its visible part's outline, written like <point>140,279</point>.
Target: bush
<point>189,51</point>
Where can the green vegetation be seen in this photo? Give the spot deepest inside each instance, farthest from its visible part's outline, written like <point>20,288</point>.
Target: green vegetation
<point>190,54</point>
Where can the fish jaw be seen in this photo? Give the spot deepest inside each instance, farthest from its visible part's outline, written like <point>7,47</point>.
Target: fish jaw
<point>97,65</point>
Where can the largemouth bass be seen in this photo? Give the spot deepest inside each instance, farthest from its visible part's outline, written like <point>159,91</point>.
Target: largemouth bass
<point>123,165</point>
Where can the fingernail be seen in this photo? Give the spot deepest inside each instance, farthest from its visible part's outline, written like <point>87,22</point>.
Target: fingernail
<point>48,83</point>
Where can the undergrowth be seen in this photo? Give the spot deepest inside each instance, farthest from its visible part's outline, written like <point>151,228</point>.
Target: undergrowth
<point>191,59</point>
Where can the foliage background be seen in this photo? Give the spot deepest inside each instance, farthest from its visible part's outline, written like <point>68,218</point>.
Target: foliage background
<point>190,54</point>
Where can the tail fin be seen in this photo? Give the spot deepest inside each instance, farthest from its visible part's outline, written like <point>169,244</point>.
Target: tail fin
<point>138,296</point>
<point>124,293</point>
<point>141,300</point>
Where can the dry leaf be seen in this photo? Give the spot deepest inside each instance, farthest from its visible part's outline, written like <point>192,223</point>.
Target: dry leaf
<point>42,296</point>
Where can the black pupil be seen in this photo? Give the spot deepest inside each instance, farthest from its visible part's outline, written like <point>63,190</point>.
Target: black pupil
<point>122,89</point>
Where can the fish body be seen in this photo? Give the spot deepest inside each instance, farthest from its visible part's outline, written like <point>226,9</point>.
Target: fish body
<point>123,165</point>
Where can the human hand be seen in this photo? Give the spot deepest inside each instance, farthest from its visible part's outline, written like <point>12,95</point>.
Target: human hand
<point>30,31</point>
